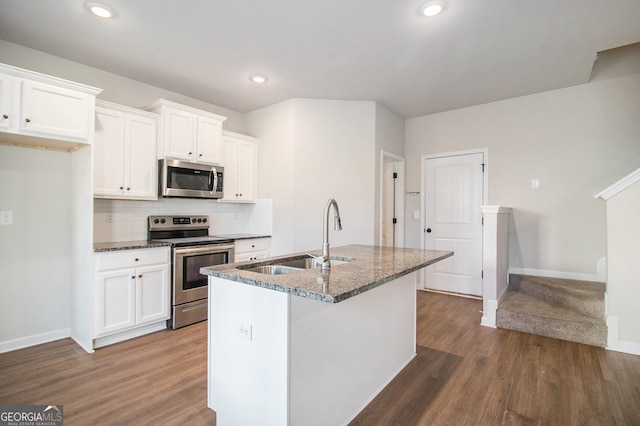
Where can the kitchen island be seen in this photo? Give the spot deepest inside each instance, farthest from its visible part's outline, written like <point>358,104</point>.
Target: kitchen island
<point>310,347</point>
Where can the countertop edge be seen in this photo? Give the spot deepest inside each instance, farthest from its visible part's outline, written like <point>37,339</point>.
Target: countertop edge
<point>232,275</point>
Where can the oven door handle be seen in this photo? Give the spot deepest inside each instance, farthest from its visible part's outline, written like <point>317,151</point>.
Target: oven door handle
<point>217,248</point>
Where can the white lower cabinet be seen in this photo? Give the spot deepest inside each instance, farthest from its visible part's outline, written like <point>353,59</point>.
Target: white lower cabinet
<point>132,293</point>
<point>252,249</point>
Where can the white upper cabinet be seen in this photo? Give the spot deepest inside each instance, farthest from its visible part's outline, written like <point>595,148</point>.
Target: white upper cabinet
<point>45,111</point>
<point>187,133</point>
<point>240,160</point>
<point>125,164</point>
<point>5,102</point>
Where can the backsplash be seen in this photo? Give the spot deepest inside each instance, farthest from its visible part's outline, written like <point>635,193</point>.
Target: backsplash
<point>129,218</point>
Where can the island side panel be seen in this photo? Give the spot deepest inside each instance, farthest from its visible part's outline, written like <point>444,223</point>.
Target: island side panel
<point>248,379</point>
<point>344,354</point>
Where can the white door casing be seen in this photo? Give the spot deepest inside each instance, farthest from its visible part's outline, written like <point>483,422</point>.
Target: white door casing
<point>388,201</point>
<point>453,188</point>
<point>390,206</point>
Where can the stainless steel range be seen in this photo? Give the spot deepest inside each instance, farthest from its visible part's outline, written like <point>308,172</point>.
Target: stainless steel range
<point>192,249</point>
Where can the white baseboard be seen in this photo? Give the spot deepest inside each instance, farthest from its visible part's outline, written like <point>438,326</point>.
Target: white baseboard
<point>25,342</point>
<point>613,339</point>
<point>490,309</point>
<point>558,274</point>
<point>129,334</point>
<point>79,343</point>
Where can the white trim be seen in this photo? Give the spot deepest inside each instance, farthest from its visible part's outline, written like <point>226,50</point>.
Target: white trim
<point>557,274</point>
<point>129,334</point>
<point>613,338</point>
<point>48,79</point>
<point>489,313</point>
<point>37,339</point>
<point>495,209</point>
<point>490,309</point>
<point>619,186</point>
<point>88,349</point>
<point>400,225</point>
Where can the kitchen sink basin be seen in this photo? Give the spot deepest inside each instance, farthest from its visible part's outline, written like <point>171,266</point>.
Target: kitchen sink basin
<point>290,266</point>
<point>303,263</point>
<point>310,262</point>
<point>272,269</point>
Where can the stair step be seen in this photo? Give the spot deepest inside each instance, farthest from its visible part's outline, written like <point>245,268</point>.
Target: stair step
<point>529,314</point>
<point>586,297</point>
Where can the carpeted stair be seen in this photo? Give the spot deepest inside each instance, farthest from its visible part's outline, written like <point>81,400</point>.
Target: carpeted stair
<point>564,309</point>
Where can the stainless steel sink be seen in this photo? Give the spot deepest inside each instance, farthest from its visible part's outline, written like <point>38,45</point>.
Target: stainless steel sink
<point>303,263</point>
<point>272,269</point>
<point>290,266</point>
<point>310,262</point>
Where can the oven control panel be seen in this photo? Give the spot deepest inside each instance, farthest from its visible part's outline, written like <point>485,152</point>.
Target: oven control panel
<point>178,222</point>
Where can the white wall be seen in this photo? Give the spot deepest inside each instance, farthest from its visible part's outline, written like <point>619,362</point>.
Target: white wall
<point>274,125</point>
<point>312,150</point>
<point>35,251</point>
<point>129,218</point>
<point>576,141</point>
<point>115,88</point>
<point>623,252</point>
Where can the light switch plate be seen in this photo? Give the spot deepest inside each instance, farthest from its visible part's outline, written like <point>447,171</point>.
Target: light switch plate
<point>535,184</point>
<point>6,218</point>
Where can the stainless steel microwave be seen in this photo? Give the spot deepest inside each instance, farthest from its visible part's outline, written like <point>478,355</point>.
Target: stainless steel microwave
<point>190,180</point>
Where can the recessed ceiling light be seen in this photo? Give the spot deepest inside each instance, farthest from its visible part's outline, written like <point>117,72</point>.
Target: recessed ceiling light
<point>100,10</point>
<point>258,78</point>
<point>432,8</point>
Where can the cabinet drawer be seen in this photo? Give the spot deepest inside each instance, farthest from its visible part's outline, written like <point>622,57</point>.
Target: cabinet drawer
<point>132,258</point>
<point>252,245</point>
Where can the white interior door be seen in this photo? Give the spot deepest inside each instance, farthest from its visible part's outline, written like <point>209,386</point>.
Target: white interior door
<point>454,187</point>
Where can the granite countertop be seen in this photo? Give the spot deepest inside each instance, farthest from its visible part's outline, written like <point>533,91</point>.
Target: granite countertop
<point>144,244</point>
<point>127,245</point>
<point>241,236</point>
<point>371,266</point>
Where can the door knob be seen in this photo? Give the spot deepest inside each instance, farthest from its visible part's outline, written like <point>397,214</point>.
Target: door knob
<point>428,230</point>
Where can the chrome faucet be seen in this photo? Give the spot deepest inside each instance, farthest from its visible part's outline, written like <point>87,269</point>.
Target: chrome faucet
<point>337,225</point>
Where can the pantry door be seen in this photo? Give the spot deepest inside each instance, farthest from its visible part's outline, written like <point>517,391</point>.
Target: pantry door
<point>453,193</point>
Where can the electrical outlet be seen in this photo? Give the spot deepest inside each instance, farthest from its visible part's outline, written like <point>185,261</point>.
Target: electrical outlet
<point>6,218</point>
<point>109,218</point>
<point>244,330</point>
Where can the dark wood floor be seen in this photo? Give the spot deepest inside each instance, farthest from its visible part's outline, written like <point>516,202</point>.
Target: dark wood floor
<point>464,374</point>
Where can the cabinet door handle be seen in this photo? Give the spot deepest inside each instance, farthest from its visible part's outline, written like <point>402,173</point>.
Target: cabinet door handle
<point>133,277</point>
<point>136,259</point>
<point>128,189</point>
<point>28,120</point>
<point>5,116</point>
<point>140,276</point>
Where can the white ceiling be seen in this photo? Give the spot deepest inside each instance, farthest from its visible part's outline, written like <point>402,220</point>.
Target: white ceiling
<point>477,51</point>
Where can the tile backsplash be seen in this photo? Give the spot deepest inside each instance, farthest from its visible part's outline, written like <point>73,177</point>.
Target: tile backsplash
<point>128,219</point>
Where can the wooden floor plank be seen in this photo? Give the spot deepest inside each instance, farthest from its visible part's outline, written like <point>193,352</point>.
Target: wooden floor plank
<point>463,374</point>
